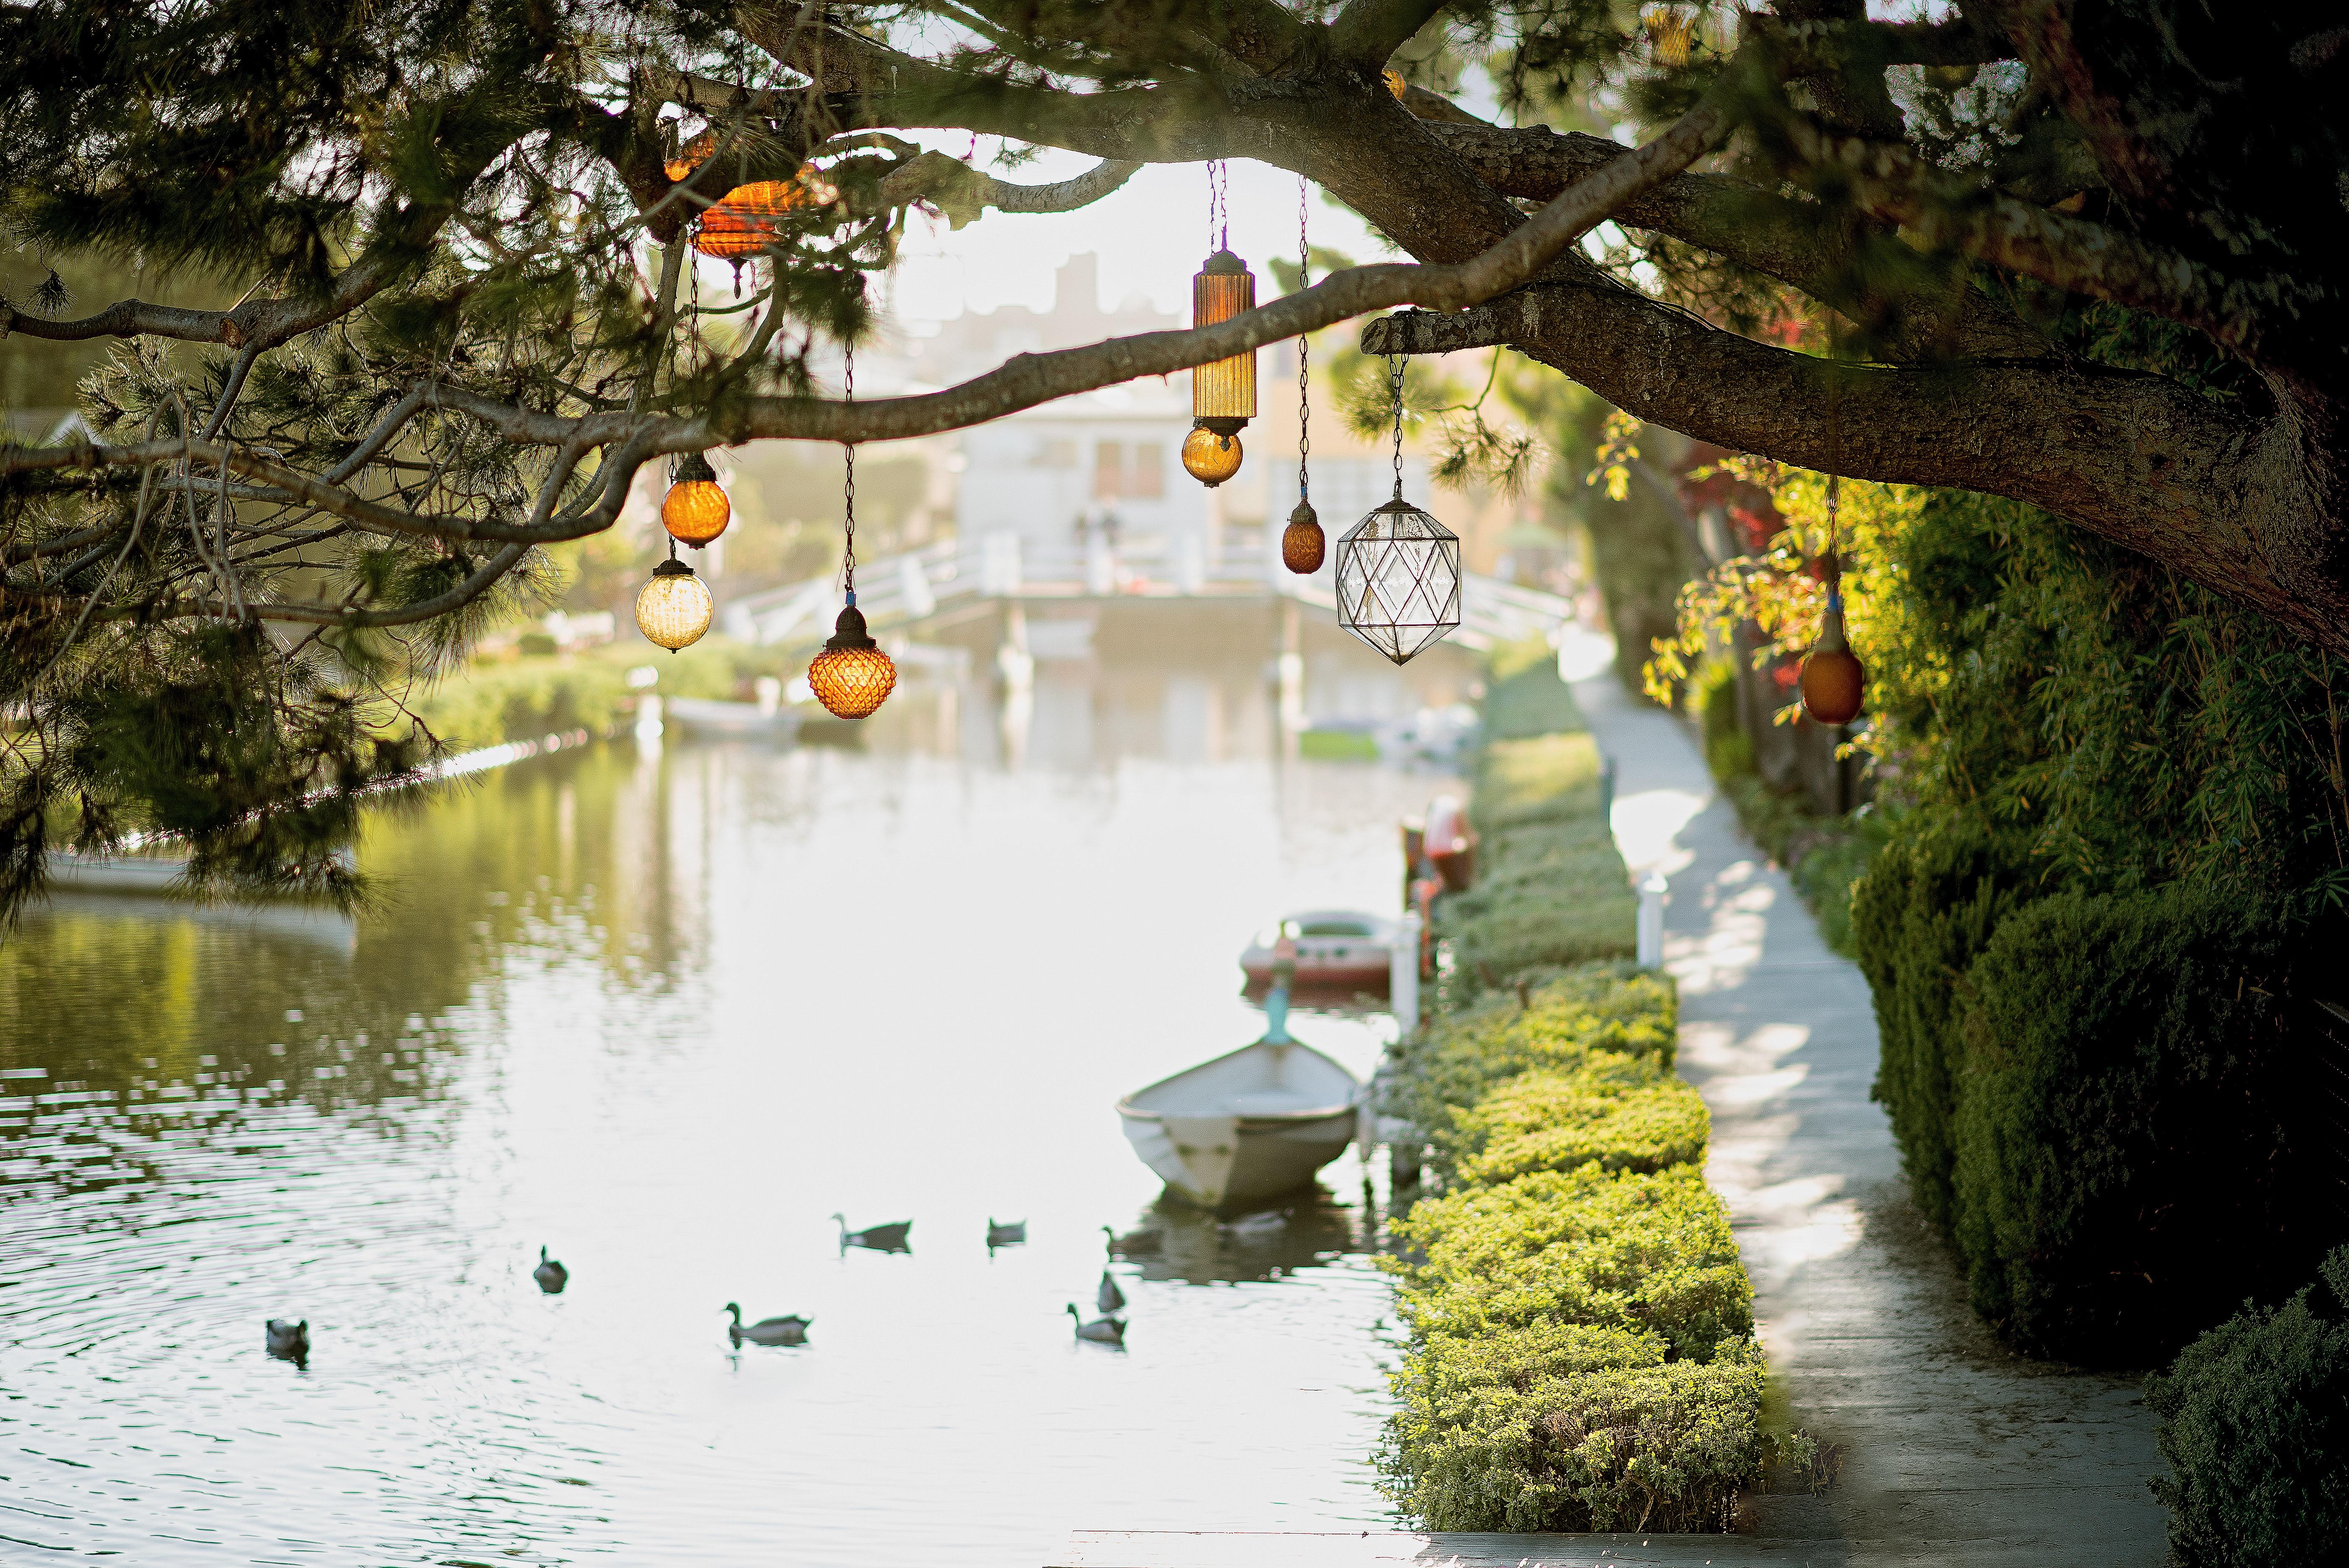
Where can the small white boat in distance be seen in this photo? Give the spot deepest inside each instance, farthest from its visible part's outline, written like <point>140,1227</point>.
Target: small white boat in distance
<point>1233,1133</point>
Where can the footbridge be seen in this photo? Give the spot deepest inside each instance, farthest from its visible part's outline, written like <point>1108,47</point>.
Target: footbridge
<point>898,593</point>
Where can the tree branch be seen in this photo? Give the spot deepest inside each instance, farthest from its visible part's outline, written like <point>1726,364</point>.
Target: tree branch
<point>1366,32</point>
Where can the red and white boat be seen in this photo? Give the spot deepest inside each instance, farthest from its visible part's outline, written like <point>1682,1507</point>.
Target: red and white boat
<point>1449,843</point>
<point>1338,950</point>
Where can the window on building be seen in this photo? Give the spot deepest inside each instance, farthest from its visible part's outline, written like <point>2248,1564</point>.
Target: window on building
<point>1129,469</point>
<point>1054,453</point>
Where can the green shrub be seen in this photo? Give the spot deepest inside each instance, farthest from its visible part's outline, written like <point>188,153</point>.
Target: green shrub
<point>1625,1113</point>
<point>1600,1433</point>
<point>2254,1421</point>
<point>1523,697</point>
<point>2122,1174</point>
<point>1649,1252</point>
<point>1927,907</point>
<point>1610,1008</point>
<point>1551,890</point>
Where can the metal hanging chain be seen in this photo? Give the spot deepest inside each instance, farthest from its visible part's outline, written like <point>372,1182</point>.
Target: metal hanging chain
<point>1304,398</point>
<point>1394,388</point>
<point>1219,205</point>
<point>1835,458</point>
<point>848,356</point>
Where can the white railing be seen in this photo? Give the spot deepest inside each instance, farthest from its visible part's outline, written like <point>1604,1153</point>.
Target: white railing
<point>895,591</point>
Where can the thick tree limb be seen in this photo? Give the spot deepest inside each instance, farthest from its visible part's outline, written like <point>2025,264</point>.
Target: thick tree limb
<point>1367,32</point>
<point>962,192</point>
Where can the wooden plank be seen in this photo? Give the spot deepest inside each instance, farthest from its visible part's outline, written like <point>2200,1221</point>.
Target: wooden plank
<point>1379,1549</point>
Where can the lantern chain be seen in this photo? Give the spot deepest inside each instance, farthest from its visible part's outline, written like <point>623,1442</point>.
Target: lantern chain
<point>1394,388</point>
<point>1304,394</point>
<point>1219,205</point>
<point>848,358</point>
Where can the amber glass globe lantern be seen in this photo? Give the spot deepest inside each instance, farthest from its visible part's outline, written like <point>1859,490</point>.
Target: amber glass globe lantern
<point>673,610</point>
<point>695,510</point>
<point>851,676</point>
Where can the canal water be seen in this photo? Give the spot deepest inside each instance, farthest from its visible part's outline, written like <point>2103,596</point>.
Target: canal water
<point>665,1008</point>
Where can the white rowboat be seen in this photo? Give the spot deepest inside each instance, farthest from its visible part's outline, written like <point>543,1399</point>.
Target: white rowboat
<point>1232,1134</point>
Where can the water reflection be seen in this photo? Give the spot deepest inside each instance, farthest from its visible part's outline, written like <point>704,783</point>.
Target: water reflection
<point>667,1012</point>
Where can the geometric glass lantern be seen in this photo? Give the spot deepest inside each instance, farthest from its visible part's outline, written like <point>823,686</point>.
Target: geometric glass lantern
<point>673,610</point>
<point>1399,579</point>
<point>695,510</point>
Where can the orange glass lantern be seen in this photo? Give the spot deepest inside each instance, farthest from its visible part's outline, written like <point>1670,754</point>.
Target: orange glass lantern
<point>673,610</point>
<point>1222,394</point>
<point>851,676</point>
<point>1832,678</point>
<point>695,510</point>
<point>747,220</point>
<point>681,163</point>
<point>1302,543</point>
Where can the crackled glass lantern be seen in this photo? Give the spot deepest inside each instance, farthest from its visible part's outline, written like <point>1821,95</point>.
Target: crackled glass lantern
<point>1303,546</point>
<point>747,219</point>
<point>695,510</point>
<point>673,610</point>
<point>1222,394</point>
<point>1399,579</point>
<point>851,676</point>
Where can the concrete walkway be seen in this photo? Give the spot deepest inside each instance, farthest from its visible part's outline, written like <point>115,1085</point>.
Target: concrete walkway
<point>1955,1451</point>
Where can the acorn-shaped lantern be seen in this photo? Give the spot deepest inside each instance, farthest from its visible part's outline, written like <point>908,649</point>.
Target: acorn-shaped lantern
<point>1223,395</point>
<point>1302,543</point>
<point>695,510</point>
<point>1832,676</point>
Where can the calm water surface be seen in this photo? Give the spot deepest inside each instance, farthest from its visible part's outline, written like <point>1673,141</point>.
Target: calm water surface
<point>666,1009</point>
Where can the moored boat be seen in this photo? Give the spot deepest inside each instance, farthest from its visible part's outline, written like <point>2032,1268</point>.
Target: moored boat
<point>1336,949</point>
<point>1449,843</point>
<point>1248,1127</point>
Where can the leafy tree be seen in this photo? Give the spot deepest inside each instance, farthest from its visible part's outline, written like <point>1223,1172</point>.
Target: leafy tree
<point>2080,255</point>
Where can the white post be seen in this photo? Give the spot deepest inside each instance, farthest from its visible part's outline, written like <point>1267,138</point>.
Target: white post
<point>1403,975</point>
<point>1651,921</point>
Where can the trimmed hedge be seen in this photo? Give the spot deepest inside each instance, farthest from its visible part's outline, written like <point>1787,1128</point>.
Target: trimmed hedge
<point>2254,1421</point>
<point>1581,1353</point>
<point>1927,907</point>
<point>2123,1159</point>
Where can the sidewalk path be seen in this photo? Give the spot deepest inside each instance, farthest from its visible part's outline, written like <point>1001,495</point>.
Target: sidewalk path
<point>1955,1452</point>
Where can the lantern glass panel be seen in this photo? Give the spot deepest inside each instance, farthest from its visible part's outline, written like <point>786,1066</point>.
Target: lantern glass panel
<point>1225,389</point>
<point>673,610</point>
<point>1399,579</point>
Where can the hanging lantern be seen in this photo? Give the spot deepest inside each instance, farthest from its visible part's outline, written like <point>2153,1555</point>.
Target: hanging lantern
<point>1832,677</point>
<point>1302,543</point>
<point>851,676</point>
<point>673,610</point>
<point>1223,395</point>
<point>1209,457</point>
<point>695,510</point>
<point>681,164</point>
<point>749,218</point>
<point>1399,579</point>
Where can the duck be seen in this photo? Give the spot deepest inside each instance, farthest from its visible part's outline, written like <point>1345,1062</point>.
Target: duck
<point>879,1238</point>
<point>289,1341</point>
<point>1109,1298</point>
<point>1256,1227</point>
<point>550,1276</point>
<point>789,1330</point>
<point>1135,1244</point>
<point>1101,1330</point>
<point>1012,1235</point>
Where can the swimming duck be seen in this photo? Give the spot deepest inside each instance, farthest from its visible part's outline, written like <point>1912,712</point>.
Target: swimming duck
<point>289,1341</point>
<point>552,1276</point>
<point>1109,1298</point>
<point>1009,1235</point>
<point>791,1330</point>
<point>1101,1330</point>
<point>879,1238</point>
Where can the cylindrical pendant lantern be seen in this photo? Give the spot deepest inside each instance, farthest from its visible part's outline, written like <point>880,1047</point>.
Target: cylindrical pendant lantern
<point>1222,394</point>
<point>695,510</point>
<point>1302,543</point>
<point>1399,579</point>
<point>851,676</point>
<point>1832,678</point>
<point>673,610</point>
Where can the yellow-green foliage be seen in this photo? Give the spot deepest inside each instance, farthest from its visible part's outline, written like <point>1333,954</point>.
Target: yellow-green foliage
<point>1627,1250</point>
<point>1582,1353</point>
<point>1599,1433</point>
<point>1624,1113</point>
<point>1550,888</point>
<point>489,702</point>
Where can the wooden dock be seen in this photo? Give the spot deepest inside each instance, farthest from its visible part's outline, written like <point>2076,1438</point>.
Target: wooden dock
<point>1385,1549</point>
